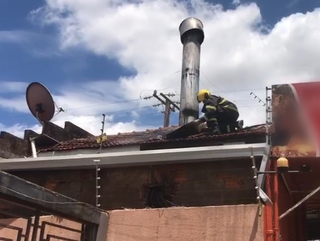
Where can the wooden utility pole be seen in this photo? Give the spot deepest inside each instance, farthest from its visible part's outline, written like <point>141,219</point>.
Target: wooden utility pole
<point>168,103</point>
<point>167,112</point>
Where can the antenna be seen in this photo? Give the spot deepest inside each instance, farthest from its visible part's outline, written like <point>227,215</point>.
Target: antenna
<point>40,102</point>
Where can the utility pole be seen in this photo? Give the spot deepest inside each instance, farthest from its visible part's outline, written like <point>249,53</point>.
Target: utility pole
<point>168,104</point>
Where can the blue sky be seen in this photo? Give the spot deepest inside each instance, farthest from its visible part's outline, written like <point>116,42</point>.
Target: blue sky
<point>34,49</point>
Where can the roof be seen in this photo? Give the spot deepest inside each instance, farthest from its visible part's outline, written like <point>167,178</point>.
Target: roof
<point>155,136</point>
<point>72,137</point>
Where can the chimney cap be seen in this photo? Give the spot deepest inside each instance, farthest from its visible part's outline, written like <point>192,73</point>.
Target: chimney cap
<point>193,25</point>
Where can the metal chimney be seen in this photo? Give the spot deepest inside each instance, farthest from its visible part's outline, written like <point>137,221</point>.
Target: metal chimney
<point>192,36</point>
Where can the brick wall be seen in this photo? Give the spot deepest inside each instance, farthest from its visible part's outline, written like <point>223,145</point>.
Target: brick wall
<point>194,184</point>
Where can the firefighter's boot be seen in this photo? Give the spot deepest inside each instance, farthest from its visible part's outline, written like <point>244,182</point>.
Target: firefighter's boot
<point>215,130</point>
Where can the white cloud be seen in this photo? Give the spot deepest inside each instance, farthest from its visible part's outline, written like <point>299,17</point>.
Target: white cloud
<point>12,87</point>
<point>236,2</point>
<point>135,114</point>
<point>18,129</point>
<point>84,106</point>
<point>14,36</point>
<point>92,124</point>
<point>16,103</point>
<point>36,44</point>
<point>239,53</point>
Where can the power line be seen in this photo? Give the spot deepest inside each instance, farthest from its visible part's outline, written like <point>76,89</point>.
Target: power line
<point>148,97</point>
<point>117,111</point>
<point>154,86</point>
<point>228,91</point>
<point>222,91</point>
<point>178,71</point>
<point>167,102</point>
<point>104,104</point>
<point>156,105</point>
<point>143,98</point>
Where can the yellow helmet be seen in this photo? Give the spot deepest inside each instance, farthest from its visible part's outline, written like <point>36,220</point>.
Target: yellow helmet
<point>202,95</point>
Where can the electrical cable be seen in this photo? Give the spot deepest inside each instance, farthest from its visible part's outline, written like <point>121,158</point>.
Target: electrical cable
<point>148,113</point>
<point>103,104</point>
<point>119,111</point>
<point>160,82</point>
<point>227,91</point>
<point>133,100</point>
<point>178,71</point>
<point>233,91</point>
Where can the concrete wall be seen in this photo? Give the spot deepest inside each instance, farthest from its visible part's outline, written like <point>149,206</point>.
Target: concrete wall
<point>223,223</point>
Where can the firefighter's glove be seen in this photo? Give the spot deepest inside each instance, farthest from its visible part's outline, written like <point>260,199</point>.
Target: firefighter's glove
<point>201,120</point>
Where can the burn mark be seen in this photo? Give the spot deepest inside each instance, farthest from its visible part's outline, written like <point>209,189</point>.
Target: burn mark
<point>190,112</point>
<point>160,187</point>
<point>232,181</point>
<point>156,197</point>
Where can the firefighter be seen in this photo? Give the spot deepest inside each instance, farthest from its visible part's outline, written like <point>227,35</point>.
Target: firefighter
<point>219,113</point>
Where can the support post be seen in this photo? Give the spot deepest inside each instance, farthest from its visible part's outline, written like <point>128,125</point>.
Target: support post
<point>167,111</point>
<point>102,131</point>
<point>255,177</point>
<point>35,226</point>
<point>96,161</point>
<point>268,217</point>
<point>276,203</point>
<point>28,228</point>
<point>268,115</point>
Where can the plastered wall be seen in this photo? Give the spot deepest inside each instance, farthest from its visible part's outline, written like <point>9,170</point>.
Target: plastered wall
<point>221,223</point>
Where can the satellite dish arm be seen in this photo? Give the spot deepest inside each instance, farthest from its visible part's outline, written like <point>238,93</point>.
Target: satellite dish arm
<point>37,116</point>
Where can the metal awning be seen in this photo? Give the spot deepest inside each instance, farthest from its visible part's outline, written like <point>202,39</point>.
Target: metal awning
<point>14,189</point>
<point>134,158</point>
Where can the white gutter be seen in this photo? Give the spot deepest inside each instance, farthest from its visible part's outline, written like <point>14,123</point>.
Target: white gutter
<point>134,158</point>
<point>89,151</point>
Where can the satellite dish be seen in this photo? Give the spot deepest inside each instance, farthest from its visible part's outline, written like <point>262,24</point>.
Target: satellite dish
<point>40,102</point>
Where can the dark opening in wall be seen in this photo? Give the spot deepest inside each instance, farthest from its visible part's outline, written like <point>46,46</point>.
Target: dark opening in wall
<point>156,197</point>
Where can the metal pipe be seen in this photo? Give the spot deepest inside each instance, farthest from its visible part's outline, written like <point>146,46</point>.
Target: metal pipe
<point>33,148</point>
<point>255,177</point>
<point>286,184</point>
<point>191,36</point>
<point>267,116</point>
<point>276,205</point>
<point>269,232</point>
<point>300,202</point>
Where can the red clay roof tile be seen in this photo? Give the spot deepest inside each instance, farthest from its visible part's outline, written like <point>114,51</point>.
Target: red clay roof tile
<point>140,137</point>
